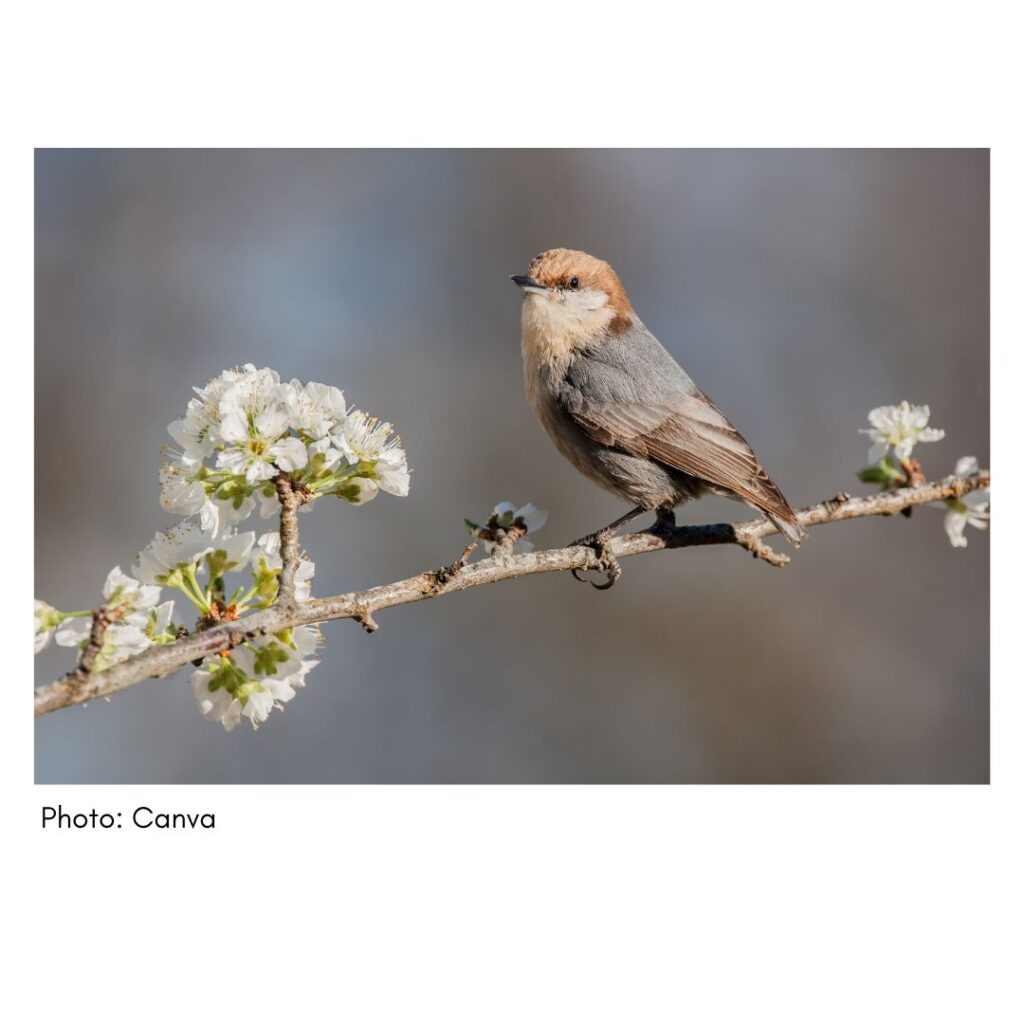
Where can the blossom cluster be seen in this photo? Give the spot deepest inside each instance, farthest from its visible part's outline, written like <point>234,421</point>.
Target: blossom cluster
<point>241,433</point>
<point>248,682</point>
<point>894,431</point>
<point>246,426</point>
<point>134,619</point>
<point>253,679</point>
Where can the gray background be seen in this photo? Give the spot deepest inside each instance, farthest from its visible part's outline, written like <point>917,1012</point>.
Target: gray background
<point>799,288</point>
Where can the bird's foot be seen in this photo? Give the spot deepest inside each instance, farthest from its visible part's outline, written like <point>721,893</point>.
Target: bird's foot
<point>606,561</point>
<point>665,525</point>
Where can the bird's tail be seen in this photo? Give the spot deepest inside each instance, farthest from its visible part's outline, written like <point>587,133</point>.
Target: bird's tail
<point>788,524</point>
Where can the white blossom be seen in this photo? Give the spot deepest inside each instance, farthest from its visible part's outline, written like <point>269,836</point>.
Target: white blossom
<point>246,426</point>
<point>126,640</point>
<point>120,640</point>
<point>238,432</point>
<point>392,472</point>
<point>198,432</point>
<point>255,678</point>
<point>158,627</point>
<point>974,512</point>
<point>180,547</point>
<point>506,515</point>
<point>970,510</point>
<point>266,555</point>
<point>128,605</point>
<point>363,438</point>
<point>323,454</point>
<point>229,552</point>
<point>967,465</point>
<point>278,671</point>
<point>307,640</point>
<point>218,515</point>
<point>532,517</point>
<point>254,426</point>
<point>185,490</point>
<point>899,427</point>
<point>127,599</point>
<point>73,632</point>
<point>358,490</point>
<point>270,506</point>
<point>316,410</point>
<point>47,619</point>
<point>366,441</point>
<point>217,703</point>
<point>242,417</point>
<point>181,490</point>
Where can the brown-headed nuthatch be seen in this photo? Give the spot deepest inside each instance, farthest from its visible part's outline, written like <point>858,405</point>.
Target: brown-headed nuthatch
<point>621,409</point>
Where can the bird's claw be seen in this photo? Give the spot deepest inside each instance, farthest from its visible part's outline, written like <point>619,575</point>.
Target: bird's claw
<point>606,561</point>
<point>612,570</point>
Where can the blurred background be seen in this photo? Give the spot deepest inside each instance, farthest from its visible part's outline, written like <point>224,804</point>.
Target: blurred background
<point>799,288</point>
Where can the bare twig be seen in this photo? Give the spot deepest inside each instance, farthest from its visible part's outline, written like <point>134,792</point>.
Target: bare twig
<point>159,661</point>
<point>365,619</point>
<point>444,575</point>
<point>759,549</point>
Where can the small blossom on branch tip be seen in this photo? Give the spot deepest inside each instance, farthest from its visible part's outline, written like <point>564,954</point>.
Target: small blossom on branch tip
<point>970,510</point>
<point>899,427</point>
<point>966,466</point>
<point>507,526</point>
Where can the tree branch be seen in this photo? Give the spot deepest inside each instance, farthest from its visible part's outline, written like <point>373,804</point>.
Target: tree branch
<point>291,498</point>
<point>161,660</point>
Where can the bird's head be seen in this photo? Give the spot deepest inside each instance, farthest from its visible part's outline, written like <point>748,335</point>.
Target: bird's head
<point>572,295</point>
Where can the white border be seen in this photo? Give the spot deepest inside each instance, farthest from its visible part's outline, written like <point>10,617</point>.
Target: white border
<point>522,903</point>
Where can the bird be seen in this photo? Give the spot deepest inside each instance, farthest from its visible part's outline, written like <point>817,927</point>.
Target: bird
<point>620,408</point>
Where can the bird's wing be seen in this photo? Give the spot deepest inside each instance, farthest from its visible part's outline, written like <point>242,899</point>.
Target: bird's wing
<point>697,440</point>
<point>668,420</point>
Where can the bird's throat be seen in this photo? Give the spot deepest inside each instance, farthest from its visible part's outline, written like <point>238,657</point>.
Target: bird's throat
<point>552,331</point>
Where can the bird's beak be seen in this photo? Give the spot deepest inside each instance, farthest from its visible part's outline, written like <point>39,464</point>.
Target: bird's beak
<point>528,284</point>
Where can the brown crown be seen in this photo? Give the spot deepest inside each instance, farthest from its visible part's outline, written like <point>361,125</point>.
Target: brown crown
<point>555,268</point>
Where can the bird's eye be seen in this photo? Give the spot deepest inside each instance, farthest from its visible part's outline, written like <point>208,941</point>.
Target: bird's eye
<point>574,283</point>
